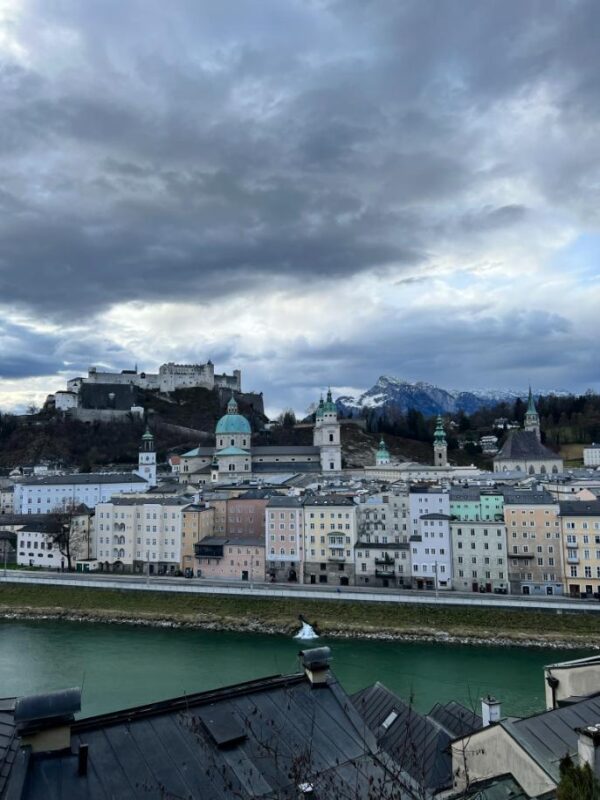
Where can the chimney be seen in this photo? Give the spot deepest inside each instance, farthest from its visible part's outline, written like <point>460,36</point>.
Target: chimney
<point>491,710</point>
<point>588,747</point>
<point>316,664</point>
<point>44,720</point>
<point>82,760</point>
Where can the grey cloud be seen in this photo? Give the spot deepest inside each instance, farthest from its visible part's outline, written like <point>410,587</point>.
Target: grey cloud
<point>313,141</point>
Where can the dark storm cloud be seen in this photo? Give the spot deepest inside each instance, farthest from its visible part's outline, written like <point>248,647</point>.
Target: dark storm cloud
<point>202,151</point>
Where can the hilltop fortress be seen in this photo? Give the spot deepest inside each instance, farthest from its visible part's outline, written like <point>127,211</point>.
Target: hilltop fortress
<point>114,393</point>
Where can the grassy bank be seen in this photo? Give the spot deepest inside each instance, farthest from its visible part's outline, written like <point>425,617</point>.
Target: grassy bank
<point>281,615</point>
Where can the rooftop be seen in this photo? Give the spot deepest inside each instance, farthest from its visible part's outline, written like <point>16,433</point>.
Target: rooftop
<point>525,446</point>
<point>264,738</point>
<point>580,508</point>
<point>85,478</point>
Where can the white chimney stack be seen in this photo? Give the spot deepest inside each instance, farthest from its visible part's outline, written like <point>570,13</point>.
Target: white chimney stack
<point>588,747</point>
<point>491,710</point>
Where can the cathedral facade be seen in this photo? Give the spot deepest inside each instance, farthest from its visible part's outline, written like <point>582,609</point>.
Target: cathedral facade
<point>235,458</point>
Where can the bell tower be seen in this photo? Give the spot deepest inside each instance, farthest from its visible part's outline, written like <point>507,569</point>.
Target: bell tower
<point>147,459</point>
<point>440,445</point>
<point>532,418</point>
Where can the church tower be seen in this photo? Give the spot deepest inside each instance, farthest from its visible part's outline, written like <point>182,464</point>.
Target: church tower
<point>382,456</point>
<point>147,459</point>
<point>440,446</point>
<point>532,418</point>
<point>326,435</point>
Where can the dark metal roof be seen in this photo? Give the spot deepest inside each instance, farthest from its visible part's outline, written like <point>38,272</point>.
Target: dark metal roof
<point>524,446</point>
<point>329,500</point>
<point>418,743</point>
<point>259,739</point>
<point>8,742</point>
<point>549,736</point>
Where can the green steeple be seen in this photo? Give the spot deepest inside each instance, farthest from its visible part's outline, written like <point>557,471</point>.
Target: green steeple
<point>531,409</point>
<point>382,451</point>
<point>320,407</point>
<point>439,436</point>
<point>329,405</point>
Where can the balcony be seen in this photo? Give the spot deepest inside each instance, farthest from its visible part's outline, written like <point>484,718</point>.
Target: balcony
<point>336,559</point>
<point>385,573</point>
<point>385,562</point>
<point>573,559</point>
<point>521,555</point>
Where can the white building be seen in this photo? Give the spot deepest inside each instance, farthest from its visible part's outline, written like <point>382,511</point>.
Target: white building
<point>329,540</point>
<point>132,532</point>
<point>430,540</point>
<point>479,556</point>
<point>327,435</point>
<point>37,547</point>
<point>59,492</point>
<point>591,455</point>
<point>147,459</point>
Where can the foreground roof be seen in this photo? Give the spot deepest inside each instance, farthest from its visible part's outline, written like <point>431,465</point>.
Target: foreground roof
<point>263,738</point>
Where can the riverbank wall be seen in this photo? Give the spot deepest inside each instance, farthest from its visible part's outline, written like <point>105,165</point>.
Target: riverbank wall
<point>350,619</point>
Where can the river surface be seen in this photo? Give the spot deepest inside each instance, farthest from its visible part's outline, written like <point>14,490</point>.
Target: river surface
<point>123,665</point>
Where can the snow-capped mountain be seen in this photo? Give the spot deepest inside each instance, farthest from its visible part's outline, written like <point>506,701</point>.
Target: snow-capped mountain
<point>400,395</point>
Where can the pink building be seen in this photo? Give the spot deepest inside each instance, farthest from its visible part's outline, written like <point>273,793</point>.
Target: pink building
<point>284,539</point>
<point>230,559</point>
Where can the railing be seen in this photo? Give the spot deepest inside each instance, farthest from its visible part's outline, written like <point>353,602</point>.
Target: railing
<point>385,573</point>
<point>385,561</point>
<point>337,559</point>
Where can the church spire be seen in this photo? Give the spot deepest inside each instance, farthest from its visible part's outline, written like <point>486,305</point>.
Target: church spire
<point>532,418</point>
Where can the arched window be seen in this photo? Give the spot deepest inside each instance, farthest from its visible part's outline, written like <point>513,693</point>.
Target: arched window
<point>531,470</point>
<point>555,470</point>
<point>543,469</point>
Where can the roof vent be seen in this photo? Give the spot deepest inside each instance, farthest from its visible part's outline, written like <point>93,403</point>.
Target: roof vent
<point>223,725</point>
<point>44,720</point>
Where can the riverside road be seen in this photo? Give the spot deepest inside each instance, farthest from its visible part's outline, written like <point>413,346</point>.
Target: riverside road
<point>265,590</point>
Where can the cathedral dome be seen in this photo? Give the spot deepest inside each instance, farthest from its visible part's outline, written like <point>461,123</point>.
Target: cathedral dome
<point>233,422</point>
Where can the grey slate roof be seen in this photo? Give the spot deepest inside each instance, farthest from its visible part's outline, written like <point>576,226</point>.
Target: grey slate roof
<point>549,736</point>
<point>80,478</point>
<point>286,450</point>
<point>524,446</point>
<point>579,508</point>
<point>286,466</point>
<point>284,502</point>
<point>257,739</point>
<point>418,743</point>
<point>515,497</point>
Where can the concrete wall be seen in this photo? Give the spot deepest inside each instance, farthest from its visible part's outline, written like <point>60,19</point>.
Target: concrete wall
<point>492,752</point>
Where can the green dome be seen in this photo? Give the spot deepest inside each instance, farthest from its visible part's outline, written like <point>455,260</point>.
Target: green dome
<point>382,451</point>
<point>233,422</point>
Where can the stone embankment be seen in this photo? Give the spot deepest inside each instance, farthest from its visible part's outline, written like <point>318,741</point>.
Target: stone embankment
<point>254,625</point>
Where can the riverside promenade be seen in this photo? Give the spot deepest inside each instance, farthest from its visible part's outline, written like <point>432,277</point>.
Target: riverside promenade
<point>266,590</point>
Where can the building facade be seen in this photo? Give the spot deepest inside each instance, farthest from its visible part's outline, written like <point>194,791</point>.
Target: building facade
<point>479,556</point>
<point>534,548</point>
<point>580,526</point>
<point>329,540</point>
<point>284,539</point>
<point>140,534</point>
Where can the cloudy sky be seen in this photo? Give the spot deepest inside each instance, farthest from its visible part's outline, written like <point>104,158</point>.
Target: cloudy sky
<point>314,191</point>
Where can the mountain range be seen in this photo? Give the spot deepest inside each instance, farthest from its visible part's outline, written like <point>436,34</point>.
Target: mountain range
<point>393,393</point>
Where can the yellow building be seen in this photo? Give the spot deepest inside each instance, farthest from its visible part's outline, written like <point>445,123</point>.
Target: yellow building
<point>580,526</point>
<point>533,539</point>
<point>198,523</point>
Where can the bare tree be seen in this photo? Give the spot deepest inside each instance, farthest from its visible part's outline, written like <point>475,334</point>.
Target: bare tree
<point>72,532</point>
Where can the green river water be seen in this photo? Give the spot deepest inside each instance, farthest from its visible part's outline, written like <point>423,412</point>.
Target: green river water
<point>123,665</point>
